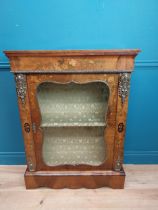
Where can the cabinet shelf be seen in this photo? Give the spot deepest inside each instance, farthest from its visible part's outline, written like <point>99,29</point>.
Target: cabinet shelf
<point>72,121</point>
<point>74,124</point>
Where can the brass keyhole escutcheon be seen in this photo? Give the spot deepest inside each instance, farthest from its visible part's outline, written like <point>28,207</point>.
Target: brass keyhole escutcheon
<point>27,127</point>
<point>120,127</point>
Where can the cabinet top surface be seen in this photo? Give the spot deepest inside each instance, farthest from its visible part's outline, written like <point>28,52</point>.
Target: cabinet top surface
<point>124,52</point>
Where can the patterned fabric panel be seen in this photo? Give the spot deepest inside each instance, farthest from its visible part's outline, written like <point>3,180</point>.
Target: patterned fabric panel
<point>73,104</point>
<point>77,145</point>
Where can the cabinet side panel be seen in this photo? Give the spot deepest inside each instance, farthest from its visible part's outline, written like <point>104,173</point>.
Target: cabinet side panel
<point>122,108</point>
<point>25,116</point>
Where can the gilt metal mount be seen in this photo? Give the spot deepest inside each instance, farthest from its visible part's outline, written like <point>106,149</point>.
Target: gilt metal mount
<point>21,86</point>
<point>30,165</point>
<point>124,84</point>
<point>118,164</point>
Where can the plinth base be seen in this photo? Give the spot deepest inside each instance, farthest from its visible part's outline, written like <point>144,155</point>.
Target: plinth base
<point>74,179</point>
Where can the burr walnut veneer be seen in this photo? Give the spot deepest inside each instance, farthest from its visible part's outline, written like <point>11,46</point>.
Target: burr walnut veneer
<point>73,107</point>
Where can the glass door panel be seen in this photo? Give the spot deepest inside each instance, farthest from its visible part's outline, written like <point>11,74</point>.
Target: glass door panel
<point>73,122</point>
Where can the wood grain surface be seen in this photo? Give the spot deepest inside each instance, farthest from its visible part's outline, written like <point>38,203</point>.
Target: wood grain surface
<point>69,60</point>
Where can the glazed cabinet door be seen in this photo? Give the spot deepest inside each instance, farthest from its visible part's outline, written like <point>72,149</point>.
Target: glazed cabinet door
<point>74,120</point>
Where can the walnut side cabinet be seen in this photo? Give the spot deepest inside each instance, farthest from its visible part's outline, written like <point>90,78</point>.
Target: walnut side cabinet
<point>73,107</point>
